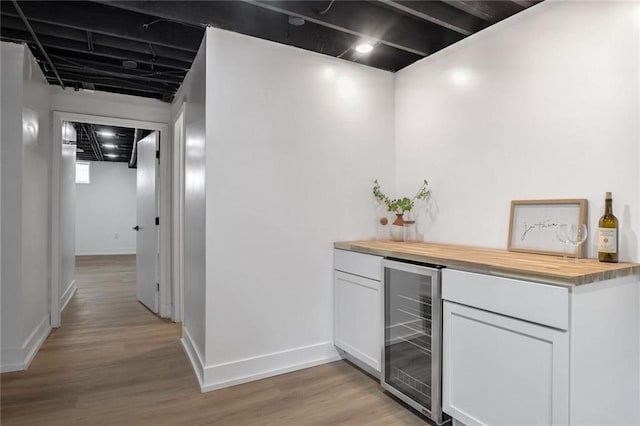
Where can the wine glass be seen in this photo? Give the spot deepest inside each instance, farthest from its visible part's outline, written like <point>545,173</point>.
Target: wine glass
<point>577,235</point>
<point>562,234</point>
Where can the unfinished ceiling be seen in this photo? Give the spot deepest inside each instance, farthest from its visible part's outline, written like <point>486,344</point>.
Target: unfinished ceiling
<point>96,142</point>
<point>145,48</point>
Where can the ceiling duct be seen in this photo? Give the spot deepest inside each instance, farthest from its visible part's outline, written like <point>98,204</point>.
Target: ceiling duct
<point>133,161</point>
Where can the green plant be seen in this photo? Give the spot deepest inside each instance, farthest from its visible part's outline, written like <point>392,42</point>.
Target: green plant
<point>400,205</point>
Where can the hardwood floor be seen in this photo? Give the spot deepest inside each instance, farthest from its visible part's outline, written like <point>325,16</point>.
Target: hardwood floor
<point>114,363</point>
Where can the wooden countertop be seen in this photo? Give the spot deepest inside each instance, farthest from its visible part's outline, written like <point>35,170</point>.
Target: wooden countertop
<point>547,269</point>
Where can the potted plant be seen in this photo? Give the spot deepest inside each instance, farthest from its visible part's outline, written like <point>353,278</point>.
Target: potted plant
<point>400,206</point>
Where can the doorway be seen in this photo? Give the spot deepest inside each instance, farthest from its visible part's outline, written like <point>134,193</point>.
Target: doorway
<point>152,284</point>
<point>116,202</point>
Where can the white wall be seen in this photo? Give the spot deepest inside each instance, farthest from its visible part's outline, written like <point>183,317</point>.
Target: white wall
<point>294,140</point>
<point>36,191</point>
<point>109,105</point>
<point>106,210</point>
<point>192,95</point>
<point>542,105</point>
<point>26,150</point>
<point>11,94</point>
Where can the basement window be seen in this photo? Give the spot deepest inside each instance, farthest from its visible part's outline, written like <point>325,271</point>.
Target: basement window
<point>83,169</point>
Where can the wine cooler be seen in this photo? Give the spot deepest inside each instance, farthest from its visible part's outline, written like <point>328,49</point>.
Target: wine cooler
<point>412,354</point>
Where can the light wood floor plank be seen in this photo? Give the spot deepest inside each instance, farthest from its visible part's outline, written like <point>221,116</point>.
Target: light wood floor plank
<point>115,363</point>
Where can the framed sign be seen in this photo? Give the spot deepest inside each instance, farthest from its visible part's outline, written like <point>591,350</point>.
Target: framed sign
<point>533,225</point>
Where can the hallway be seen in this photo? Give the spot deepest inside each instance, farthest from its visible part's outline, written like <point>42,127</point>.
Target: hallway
<point>111,355</point>
<point>114,363</point>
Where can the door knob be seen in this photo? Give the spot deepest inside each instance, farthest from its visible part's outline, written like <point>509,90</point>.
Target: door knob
<point>137,228</point>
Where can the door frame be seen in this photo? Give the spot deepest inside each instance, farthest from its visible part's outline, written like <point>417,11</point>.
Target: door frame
<point>179,140</point>
<point>164,194</point>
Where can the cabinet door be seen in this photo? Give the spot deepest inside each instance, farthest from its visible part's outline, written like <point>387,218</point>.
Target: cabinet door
<point>357,315</point>
<point>503,371</point>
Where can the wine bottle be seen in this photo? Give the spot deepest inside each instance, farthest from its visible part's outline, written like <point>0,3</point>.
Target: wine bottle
<point>608,233</point>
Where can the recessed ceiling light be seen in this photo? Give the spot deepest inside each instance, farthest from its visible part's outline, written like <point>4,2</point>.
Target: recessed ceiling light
<point>109,145</point>
<point>106,134</point>
<point>364,48</point>
<point>296,21</point>
<point>112,155</point>
<point>129,64</point>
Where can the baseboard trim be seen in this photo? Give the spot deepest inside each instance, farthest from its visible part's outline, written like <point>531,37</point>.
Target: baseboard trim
<point>12,360</point>
<point>35,340</point>
<point>23,356</point>
<point>194,355</point>
<point>250,369</point>
<point>67,295</point>
<point>106,251</point>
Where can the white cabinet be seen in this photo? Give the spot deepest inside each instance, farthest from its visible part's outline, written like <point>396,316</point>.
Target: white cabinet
<point>517,352</point>
<point>503,371</point>
<point>357,318</point>
<point>357,308</point>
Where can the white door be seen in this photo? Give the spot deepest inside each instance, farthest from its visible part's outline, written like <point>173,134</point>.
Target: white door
<point>147,247</point>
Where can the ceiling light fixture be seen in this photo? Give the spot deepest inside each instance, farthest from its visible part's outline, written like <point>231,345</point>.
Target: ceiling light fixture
<point>106,134</point>
<point>112,155</point>
<point>364,48</point>
<point>129,64</point>
<point>296,21</point>
<point>109,145</point>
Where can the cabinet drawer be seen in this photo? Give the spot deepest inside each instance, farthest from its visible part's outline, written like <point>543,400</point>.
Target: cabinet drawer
<point>364,265</point>
<point>539,303</point>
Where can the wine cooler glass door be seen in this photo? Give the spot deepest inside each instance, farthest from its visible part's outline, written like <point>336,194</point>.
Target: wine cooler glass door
<point>412,334</point>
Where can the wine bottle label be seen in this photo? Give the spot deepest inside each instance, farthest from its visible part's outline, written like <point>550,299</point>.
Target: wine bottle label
<point>607,240</point>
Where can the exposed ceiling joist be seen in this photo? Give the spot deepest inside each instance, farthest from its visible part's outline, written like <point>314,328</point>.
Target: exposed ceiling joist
<point>525,3</point>
<point>89,132</point>
<point>439,14</point>
<point>65,67</point>
<point>365,21</point>
<point>186,12</point>
<point>117,89</point>
<point>98,51</point>
<point>75,76</point>
<point>144,48</point>
<point>114,143</point>
<point>356,20</point>
<point>97,40</point>
<point>490,11</point>
<point>101,68</point>
<point>245,18</point>
<point>37,41</point>
<point>102,19</point>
